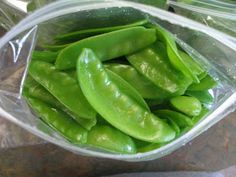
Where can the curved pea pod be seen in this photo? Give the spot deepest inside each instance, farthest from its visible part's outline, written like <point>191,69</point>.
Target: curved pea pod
<point>152,62</point>
<point>39,92</point>
<point>180,119</point>
<point>205,84</point>
<point>107,46</point>
<point>145,87</point>
<point>204,111</point>
<point>64,88</point>
<point>81,34</point>
<point>46,56</point>
<point>191,64</point>
<point>188,105</point>
<point>203,96</point>
<point>115,106</point>
<point>173,53</point>
<point>127,89</point>
<point>111,139</point>
<point>60,121</point>
<point>174,125</point>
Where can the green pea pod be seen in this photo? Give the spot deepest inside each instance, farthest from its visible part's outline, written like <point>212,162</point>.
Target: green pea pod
<point>64,88</point>
<point>59,121</point>
<point>111,139</point>
<point>206,83</point>
<point>145,87</point>
<point>173,53</point>
<point>116,107</point>
<point>204,111</point>
<point>107,46</point>
<point>123,85</point>
<point>203,96</point>
<point>153,63</point>
<point>174,125</point>
<point>180,119</point>
<point>55,48</point>
<point>46,56</point>
<point>127,89</point>
<point>78,35</point>
<point>190,63</point>
<point>35,90</point>
<point>188,105</point>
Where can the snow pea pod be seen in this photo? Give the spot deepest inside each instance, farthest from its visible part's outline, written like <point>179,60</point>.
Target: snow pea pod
<point>46,56</point>
<point>116,107</point>
<point>37,91</point>
<point>111,139</point>
<point>145,87</point>
<point>206,83</point>
<point>62,87</point>
<point>203,96</point>
<point>173,53</point>
<point>107,46</point>
<point>153,63</point>
<point>174,125</point>
<point>127,89</point>
<point>78,35</point>
<point>188,105</point>
<point>180,119</point>
<point>59,121</point>
<point>123,85</point>
<point>190,63</point>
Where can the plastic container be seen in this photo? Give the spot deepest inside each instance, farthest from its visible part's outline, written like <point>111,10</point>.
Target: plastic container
<point>213,49</point>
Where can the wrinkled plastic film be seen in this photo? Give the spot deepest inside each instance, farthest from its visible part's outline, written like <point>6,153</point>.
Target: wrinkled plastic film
<point>13,62</point>
<point>15,55</point>
<point>220,15</point>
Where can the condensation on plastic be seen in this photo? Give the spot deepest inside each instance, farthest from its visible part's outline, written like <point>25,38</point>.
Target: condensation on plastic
<point>218,14</point>
<point>209,47</point>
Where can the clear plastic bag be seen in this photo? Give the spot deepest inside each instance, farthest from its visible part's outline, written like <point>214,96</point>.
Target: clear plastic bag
<point>212,49</point>
<point>218,14</point>
<point>12,11</point>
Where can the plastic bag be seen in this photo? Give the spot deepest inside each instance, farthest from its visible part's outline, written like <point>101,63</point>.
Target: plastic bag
<point>213,49</point>
<point>12,11</point>
<point>218,14</point>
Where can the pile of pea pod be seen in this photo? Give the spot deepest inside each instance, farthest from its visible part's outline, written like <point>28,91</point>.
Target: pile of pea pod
<point>124,89</point>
